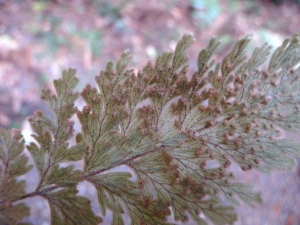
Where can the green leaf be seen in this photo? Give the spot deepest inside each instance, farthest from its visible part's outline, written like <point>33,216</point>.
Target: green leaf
<point>69,209</point>
<point>164,60</point>
<point>62,177</point>
<point>13,164</point>
<point>197,218</point>
<point>58,184</point>
<point>18,167</point>
<point>180,55</point>
<point>103,200</point>
<point>121,190</point>
<point>122,64</point>
<point>63,154</point>
<point>245,193</point>
<point>220,215</point>
<point>39,156</point>
<point>205,54</point>
<point>117,219</point>
<point>11,189</point>
<point>13,214</point>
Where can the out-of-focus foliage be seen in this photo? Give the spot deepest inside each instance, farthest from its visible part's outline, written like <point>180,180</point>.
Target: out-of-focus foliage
<point>205,11</point>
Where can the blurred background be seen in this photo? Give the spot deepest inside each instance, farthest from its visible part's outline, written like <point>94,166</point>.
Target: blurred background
<point>38,39</point>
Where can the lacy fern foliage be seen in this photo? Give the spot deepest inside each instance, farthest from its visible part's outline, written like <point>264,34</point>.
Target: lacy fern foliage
<point>177,132</point>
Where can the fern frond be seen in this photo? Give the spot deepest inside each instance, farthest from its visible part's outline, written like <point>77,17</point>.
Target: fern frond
<point>13,165</point>
<point>58,185</point>
<point>220,115</point>
<point>176,134</point>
